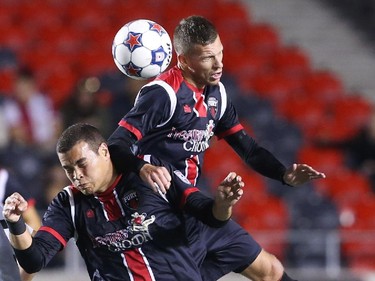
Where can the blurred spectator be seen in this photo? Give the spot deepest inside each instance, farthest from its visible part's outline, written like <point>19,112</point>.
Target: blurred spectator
<point>8,185</point>
<point>29,114</point>
<point>359,149</point>
<point>32,125</point>
<point>4,132</point>
<point>123,91</point>
<point>54,180</point>
<point>87,104</point>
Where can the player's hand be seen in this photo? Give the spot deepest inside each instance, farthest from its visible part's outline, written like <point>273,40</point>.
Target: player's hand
<point>158,178</point>
<point>230,190</point>
<point>299,174</point>
<point>14,206</point>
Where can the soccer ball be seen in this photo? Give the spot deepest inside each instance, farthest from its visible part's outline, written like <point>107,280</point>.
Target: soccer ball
<point>142,49</point>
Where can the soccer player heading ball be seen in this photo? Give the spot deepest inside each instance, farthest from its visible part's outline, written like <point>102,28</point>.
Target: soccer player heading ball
<point>174,118</point>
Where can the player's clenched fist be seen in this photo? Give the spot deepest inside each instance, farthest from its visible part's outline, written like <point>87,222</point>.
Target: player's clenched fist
<point>14,206</point>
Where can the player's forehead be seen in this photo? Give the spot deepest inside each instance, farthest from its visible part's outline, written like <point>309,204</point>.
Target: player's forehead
<point>80,150</point>
<point>211,49</point>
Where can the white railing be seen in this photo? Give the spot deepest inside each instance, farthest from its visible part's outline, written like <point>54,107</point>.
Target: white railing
<point>330,241</point>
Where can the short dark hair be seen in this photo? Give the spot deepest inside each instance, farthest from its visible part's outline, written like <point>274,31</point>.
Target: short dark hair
<point>191,31</point>
<point>24,72</point>
<point>79,132</point>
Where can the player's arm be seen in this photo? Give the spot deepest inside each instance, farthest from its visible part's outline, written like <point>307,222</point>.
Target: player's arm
<point>14,206</point>
<point>265,163</point>
<point>120,143</point>
<point>214,211</point>
<point>34,253</point>
<point>151,109</point>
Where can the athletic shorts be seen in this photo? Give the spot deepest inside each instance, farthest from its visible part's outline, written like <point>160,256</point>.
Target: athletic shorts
<point>219,251</point>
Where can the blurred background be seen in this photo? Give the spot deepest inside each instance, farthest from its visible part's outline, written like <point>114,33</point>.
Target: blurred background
<point>300,72</point>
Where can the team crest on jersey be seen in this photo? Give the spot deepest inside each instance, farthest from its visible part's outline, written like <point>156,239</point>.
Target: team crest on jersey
<point>130,200</point>
<point>212,106</point>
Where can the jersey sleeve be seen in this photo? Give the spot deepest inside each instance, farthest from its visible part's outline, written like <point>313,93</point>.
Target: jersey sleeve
<point>57,228</point>
<point>153,107</point>
<point>228,123</point>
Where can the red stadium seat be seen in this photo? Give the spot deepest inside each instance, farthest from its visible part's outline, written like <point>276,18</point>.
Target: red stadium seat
<point>333,129</point>
<point>344,186</point>
<point>353,110</point>
<point>325,160</point>
<point>261,38</point>
<point>7,76</point>
<point>291,61</point>
<point>274,87</point>
<point>358,244</point>
<point>307,113</point>
<point>323,85</point>
<point>263,217</point>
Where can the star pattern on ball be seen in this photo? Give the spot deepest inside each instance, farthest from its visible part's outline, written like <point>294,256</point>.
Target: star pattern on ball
<point>133,70</point>
<point>157,27</point>
<point>133,41</point>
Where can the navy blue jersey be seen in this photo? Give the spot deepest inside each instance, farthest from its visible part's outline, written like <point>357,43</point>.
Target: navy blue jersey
<point>175,121</point>
<point>127,233</point>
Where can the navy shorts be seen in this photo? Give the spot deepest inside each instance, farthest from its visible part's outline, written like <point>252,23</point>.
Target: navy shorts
<point>219,251</point>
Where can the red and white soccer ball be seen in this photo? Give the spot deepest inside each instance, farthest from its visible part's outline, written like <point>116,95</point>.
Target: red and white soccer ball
<point>142,49</point>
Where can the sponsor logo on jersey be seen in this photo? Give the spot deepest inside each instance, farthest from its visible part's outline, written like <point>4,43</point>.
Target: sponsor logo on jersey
<point>134,236</point>
<point>194,140</point>
<point>212,106</point>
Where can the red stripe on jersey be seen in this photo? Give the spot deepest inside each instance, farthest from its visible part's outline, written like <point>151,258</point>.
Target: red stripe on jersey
<point>134,259</point>
<point>110,202</point>
<point>131,128</point>
<point>192,165</point>
<point>200,107</point>
<point>186,194</point>
<point>137,265</point>
<point>173,77</point>
<point>231,131</point>
<point>54,233</point>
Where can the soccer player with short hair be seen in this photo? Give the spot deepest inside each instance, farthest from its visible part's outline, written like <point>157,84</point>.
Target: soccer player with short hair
<point>174,118</point>
<point>123,229</point>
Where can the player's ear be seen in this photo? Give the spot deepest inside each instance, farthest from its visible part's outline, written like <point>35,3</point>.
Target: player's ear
<point>182,61</point>
<point>103,149</point>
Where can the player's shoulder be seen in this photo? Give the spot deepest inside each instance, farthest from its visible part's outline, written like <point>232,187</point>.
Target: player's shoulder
<point>173,78</point>
<point>67,195</point>
<point>131,181</point>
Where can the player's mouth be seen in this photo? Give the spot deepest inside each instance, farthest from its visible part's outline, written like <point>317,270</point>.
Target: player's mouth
<point>216,75</point>
<point>82,186</point>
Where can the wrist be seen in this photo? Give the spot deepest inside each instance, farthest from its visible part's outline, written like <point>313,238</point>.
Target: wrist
<point>18,227</point>
<point>139,164</point>
<point>221,212</point>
